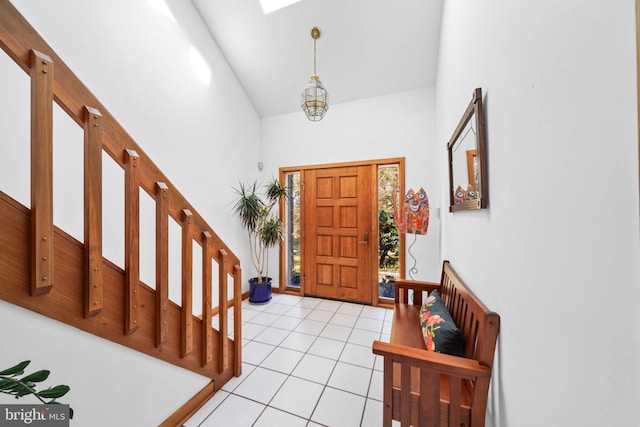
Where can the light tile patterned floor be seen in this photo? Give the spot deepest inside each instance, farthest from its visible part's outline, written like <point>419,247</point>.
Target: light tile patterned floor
<point>306,362</point>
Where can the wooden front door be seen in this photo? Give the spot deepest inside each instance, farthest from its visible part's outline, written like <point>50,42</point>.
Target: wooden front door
<point>338,232</point>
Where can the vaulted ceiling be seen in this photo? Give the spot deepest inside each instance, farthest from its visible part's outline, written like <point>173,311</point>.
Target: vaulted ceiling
<point>367,48</point>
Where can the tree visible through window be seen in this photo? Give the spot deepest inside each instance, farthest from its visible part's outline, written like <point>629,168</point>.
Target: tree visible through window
<point>388,236</point>
<point>293,230</point>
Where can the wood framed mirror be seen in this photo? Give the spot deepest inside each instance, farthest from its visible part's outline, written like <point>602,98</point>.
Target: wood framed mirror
<point>467,162</point>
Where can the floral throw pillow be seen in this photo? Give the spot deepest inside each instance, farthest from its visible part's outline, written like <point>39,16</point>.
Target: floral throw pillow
<point>440,332</point>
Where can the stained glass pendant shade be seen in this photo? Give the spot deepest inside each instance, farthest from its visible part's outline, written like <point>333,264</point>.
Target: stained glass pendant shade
<point>315,98</point>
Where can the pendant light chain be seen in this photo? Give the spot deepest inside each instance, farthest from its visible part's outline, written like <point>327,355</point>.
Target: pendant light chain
<point>314,97</point>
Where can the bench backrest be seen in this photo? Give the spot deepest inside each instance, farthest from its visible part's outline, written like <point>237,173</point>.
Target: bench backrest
<point>478,325</point>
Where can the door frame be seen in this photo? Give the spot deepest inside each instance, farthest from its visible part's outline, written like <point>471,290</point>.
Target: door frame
<point>283,171</point>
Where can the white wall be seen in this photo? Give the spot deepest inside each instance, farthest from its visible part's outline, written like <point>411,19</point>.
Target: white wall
<point>557,252</point>
<point>399,125</point>
<point>110,385</point>
<point>137,62</point>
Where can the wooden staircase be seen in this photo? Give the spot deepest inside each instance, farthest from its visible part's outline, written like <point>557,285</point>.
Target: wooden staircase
<point>45,270</point>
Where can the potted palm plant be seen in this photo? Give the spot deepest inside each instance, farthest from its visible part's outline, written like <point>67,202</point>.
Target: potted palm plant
<point>264,228</point>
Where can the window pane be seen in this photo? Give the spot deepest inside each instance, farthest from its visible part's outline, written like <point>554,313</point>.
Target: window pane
<point>293,230</point>
<point>388,236</point>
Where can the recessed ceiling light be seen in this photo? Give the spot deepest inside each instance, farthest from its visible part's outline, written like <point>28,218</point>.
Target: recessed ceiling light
<point>269,6</point>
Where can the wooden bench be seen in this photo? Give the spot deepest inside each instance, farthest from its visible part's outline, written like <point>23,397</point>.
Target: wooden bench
<point>429,389</point>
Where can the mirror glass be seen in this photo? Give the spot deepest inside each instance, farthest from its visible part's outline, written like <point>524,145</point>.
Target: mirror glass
<point>467,170</point>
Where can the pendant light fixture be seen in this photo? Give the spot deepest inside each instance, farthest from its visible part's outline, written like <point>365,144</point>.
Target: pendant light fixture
<point>314,96</point>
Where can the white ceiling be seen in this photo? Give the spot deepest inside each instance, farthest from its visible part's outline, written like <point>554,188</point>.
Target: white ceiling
<point>367,47</point>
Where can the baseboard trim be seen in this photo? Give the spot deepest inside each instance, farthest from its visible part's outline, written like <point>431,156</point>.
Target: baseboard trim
<point>179,417</point>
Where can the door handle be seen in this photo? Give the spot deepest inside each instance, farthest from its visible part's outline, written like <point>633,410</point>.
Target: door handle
<point>366,239</point>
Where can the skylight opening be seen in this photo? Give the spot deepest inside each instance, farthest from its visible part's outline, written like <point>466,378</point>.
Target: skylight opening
<point>200,66</point>
<point>162,7</point>
<point>269,6</point>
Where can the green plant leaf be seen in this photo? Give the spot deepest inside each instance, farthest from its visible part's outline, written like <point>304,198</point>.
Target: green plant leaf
<point>274,191</point>
<point>16,370</point>
<point>248,206</point>
<point>6,384</point>
<point>18,387</point>
<point>271,232</point>
<point>36,377</point>
<point>11,387</point>
<point>54,392</point>
<point>22,390</point>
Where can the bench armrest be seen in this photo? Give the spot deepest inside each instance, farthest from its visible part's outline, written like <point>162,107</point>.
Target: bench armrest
<point>403,286</point>
<point>437,362</point>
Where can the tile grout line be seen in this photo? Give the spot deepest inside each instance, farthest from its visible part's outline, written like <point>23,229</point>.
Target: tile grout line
<point>290,374</point>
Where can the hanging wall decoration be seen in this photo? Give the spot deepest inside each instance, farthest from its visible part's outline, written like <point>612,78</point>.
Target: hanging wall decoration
<point>413,218</point>
<point>414,215</point>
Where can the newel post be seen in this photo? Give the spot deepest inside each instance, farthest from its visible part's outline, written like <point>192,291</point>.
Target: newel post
<point>41,173</point>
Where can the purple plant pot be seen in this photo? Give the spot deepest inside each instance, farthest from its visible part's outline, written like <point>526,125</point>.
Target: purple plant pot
<point>259,293</point>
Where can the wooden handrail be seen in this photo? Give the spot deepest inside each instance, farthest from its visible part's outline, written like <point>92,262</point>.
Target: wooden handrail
<point>52,80</point>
